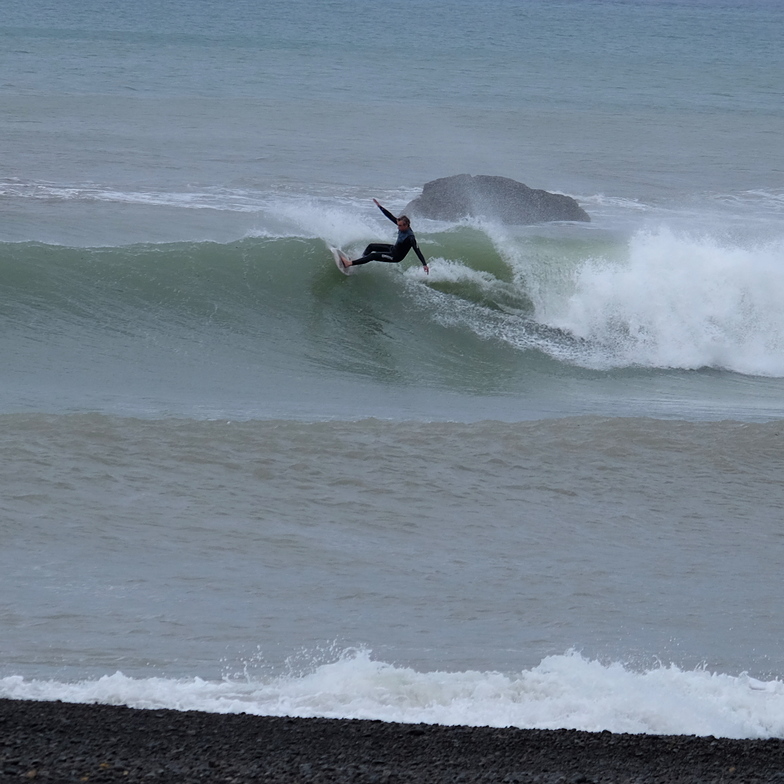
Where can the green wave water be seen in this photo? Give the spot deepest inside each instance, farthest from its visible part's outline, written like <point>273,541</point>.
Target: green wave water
<point>525,322</point>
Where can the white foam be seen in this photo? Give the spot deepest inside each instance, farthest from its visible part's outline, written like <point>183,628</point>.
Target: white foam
<point>215,199</point>
<point>599,200</point>
<point>338,220</point>
<point>679,302</point>
<point>445,271</point>
<point>565,691</point>
<point>759,200</point>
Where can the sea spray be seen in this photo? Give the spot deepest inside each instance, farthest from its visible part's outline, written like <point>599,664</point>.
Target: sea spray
<point>679,301</point>
<point>566,691</point>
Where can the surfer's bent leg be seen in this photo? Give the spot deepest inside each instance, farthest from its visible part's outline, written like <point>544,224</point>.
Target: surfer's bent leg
<point>376,251</point>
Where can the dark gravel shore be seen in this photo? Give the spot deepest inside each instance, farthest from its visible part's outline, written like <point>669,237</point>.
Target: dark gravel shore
<point>59,742</point>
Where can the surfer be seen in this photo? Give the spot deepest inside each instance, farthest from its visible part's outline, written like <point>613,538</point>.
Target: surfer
<point>381,251</point>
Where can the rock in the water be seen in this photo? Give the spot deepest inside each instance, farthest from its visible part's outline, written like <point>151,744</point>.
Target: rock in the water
<point>496,198</point>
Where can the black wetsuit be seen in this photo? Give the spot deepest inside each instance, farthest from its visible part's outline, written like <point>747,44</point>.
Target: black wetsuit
<point>382,251</point>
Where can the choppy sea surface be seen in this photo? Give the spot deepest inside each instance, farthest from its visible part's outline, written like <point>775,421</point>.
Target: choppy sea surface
<point>540,487</point>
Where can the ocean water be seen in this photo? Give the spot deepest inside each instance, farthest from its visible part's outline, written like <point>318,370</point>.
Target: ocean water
<point>540,487</point>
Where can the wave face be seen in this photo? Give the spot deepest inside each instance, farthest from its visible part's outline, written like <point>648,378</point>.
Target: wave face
<point>502,313</point>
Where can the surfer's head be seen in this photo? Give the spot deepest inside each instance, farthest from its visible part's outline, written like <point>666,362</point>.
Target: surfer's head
<point>403,222</point>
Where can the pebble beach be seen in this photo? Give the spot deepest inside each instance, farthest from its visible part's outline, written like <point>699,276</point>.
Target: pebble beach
<point>60,742</point>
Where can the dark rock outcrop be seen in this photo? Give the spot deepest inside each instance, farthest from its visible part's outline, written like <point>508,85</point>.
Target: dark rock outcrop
<point>495,198</point>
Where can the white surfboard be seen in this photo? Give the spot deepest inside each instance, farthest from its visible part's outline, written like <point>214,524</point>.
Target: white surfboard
<point>340,258</point>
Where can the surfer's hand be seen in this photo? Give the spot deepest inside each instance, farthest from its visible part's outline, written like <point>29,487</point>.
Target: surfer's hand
<point>427,269</point>
<point>375,201</point>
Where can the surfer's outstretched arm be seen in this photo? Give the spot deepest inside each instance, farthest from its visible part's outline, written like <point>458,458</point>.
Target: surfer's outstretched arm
<point>386,211</point>
<point>421,257</point>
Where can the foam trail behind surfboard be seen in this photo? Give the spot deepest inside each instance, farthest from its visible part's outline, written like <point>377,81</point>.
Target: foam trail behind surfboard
<point>340,257</point>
